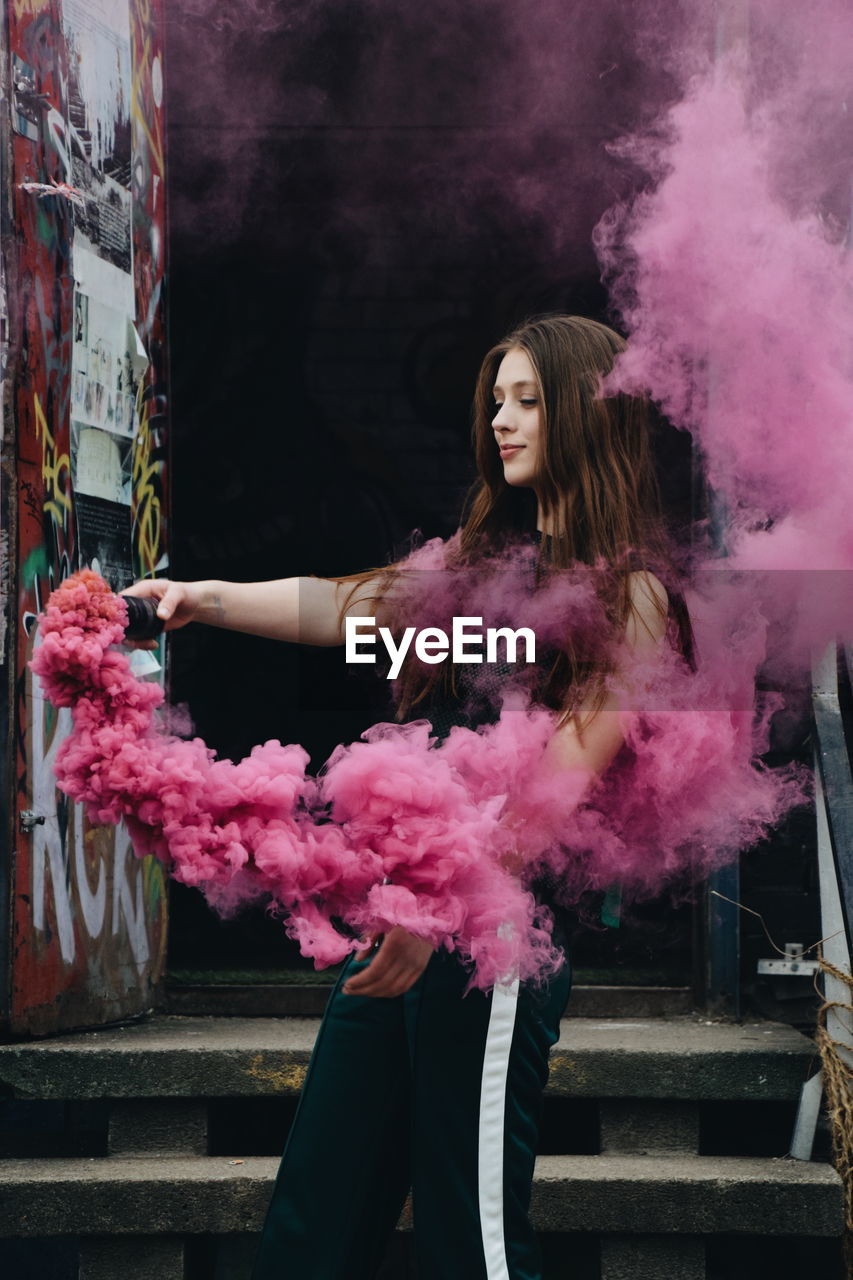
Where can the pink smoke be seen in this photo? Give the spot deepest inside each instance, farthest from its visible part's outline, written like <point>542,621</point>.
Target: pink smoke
<point>733,276</point>
<point>366,110</point>
<point>256,829</point>
<point>399,830</point>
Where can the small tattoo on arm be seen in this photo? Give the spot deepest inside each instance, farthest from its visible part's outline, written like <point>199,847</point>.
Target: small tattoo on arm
<point>219,609</point>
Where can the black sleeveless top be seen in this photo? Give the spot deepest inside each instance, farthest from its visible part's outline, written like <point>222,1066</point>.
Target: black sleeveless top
<point>476,703</point>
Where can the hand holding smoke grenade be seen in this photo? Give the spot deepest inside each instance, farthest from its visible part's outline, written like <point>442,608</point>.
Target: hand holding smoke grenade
<point>142,620</point>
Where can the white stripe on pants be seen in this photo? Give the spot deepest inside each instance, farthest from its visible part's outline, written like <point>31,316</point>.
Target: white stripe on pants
<point>490,1156</point>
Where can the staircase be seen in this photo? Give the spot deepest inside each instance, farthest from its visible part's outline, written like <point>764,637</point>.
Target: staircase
<point>148,1151</point>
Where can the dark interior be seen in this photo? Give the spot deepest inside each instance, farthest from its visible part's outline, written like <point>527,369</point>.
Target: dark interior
<point>359,217</point>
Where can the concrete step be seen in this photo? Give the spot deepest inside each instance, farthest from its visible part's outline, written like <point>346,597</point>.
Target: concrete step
<point>674,1059</point>
<point>611,1195</point>
<point>643,1086</point>
<point>308,1000</point>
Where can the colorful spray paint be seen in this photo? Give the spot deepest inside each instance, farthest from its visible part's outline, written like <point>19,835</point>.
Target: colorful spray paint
<point>85,103</point>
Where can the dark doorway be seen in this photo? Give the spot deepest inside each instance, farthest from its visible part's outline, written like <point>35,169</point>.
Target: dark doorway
<point>361,204</point>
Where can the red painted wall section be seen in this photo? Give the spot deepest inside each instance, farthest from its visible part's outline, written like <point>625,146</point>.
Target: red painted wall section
<point>85,279</point>
<point>148,138</point>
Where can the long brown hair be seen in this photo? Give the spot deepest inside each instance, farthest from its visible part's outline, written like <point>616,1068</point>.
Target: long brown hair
<point>596,485</point>
<point>596,482</point>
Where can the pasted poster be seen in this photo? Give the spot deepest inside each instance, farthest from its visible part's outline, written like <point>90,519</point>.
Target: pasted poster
<point>97,33</point>
<point>107,365</point>
<point>25,113</point>
<point>101,463</point>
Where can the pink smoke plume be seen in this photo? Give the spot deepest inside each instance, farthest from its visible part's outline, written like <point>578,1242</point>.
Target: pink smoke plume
<point>733,275</point>
<point>400,830</point>
<point>406,847</point>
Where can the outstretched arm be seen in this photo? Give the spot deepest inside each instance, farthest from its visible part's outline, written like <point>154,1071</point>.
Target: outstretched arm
<point>304,610</point>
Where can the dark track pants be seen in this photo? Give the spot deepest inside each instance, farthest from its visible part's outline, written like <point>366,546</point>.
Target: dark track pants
<point>427,1090</point>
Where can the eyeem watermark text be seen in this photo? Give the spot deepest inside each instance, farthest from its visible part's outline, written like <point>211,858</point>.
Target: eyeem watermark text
<point>434,645</point>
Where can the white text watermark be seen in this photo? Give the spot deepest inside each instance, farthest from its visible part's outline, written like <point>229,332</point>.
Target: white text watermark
<point>434,645</point>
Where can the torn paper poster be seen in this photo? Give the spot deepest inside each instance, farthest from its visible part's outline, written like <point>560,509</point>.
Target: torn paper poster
<point>100,463</point>
<point>99,95</point>
<point>103,539</point>
<point>107,364</point>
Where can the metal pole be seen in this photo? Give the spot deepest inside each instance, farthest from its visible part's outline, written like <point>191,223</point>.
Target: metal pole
<point>721,920</point>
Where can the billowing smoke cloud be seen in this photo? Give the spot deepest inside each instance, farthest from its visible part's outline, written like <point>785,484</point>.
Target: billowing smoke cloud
<point>446,839</point>
<point>391,118</point>
<point>733,275</point>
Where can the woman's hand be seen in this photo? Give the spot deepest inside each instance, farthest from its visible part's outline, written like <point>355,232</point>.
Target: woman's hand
<point>396,966</point>
<point>179,603</point>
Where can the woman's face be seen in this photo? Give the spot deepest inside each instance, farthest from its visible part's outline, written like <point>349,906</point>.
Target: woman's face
<point>517,423</point>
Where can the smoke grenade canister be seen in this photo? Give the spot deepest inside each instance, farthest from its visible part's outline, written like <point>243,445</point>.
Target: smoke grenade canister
<point>142,620</point>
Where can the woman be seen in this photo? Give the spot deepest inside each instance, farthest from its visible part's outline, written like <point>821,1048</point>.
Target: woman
<point>410,1084</point>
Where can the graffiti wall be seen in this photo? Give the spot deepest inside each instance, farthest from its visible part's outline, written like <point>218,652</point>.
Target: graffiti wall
<point>85,408</point>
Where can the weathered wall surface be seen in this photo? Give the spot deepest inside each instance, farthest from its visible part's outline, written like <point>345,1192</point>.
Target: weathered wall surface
<point>84,467</point>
